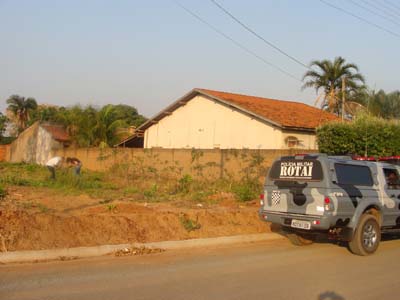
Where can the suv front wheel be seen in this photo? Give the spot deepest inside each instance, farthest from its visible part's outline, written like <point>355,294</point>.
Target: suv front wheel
<point>366,237</point>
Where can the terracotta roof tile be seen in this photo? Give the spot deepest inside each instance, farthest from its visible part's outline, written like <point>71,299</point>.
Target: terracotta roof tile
<point>285,113</point>
<point>57,132</point>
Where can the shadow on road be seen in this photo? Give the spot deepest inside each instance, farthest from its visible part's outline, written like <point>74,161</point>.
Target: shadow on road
<point>320,239</point>
<point>390,237</point>
<point>324,240</point>
<point>330,296</point>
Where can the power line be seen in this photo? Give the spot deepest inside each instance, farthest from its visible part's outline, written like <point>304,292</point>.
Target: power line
<point>361,19</point>
<point>374,12</point>
<point>388,7</point>
<point>381,9</point>
<point>193,14</point>
<point>257,35</point>
<point>392,4</point>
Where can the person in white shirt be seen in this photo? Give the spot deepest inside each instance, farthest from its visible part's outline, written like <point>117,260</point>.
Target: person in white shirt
<point>52,164</point>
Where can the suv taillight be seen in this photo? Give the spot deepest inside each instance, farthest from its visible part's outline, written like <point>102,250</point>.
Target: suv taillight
<point>262,199</point>
<point>328,205</point>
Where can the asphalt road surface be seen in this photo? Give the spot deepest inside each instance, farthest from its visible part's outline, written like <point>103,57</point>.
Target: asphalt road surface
<point>269,270</point>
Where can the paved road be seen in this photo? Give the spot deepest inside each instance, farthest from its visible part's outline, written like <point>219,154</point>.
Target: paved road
<point>269,270</point>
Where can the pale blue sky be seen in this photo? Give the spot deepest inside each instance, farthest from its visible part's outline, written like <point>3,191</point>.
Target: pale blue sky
<point>149,53</point>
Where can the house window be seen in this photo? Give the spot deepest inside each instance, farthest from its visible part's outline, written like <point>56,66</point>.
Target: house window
<point>292,141</point>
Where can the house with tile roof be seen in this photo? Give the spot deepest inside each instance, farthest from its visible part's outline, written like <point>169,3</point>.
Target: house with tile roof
<point>207,119</point>
<point>37,143</point>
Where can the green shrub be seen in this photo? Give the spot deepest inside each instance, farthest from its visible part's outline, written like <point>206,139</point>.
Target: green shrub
<point>365,136</point>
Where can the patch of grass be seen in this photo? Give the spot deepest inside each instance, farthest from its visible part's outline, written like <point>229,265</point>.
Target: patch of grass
<point>184,184</point>
<point>131,190</point>
<point>14,180</point>
<point>246,191</point>
<point>151,192</point>
<point>86,181</point>
<point>202,196</point>
<point>27,205</point>
<point>105,201</point>
<point>43,208</point>
<point>133,181</point>
<point>189,224</point>
<point>31,168</point>
<point>3,192</point>
<point>111,208</point>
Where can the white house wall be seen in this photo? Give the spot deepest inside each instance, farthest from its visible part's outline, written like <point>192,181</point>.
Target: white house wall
<point>205,124</point>
<point>44,146</point>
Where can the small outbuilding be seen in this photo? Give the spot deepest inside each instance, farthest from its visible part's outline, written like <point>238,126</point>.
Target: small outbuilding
<point>207,119</point>
<point>37,143</point>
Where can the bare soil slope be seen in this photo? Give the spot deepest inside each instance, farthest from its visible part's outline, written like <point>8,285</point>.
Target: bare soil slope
<point>38,218</point>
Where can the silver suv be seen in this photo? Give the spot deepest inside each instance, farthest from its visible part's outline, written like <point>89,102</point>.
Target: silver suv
<point>337,197</point>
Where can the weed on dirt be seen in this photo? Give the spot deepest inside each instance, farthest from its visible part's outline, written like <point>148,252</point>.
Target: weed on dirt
<point>188,223</point>
<point>3,192</point>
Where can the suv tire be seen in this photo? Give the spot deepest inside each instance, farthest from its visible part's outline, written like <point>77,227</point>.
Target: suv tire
<point>366,237</point>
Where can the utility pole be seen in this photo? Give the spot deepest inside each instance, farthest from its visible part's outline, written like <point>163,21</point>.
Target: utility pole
<point>343,95</point>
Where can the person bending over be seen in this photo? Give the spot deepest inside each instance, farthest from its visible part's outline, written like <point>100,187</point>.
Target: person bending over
<point>52,164</point>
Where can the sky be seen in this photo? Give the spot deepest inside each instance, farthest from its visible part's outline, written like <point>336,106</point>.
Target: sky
<point>149,53</point>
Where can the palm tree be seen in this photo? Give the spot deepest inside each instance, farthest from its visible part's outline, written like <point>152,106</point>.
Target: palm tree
<point>20,107</point>
<point>327,75</point>
<point>107,123</point>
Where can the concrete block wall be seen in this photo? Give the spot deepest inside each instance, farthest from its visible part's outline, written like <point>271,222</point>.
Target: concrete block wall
<point>215,163</point>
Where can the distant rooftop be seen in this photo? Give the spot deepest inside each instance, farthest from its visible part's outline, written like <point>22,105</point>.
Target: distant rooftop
<point>57,132</point>
<point>284,113</point>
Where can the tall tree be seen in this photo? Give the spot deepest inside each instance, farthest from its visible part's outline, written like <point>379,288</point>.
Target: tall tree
<point>44,112</point>
<point>21,107</point>
<point>327,76</point>
<point>80,123</point>
<point>107,123</point>
<point>129,114</point>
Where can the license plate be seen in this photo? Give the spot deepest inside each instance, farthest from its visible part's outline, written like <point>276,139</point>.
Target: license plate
<point>301,224</point>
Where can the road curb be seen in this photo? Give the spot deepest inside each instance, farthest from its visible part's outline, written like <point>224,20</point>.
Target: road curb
<point>81,252</point>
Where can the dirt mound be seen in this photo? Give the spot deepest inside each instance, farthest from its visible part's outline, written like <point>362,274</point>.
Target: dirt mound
<point>122,223</point>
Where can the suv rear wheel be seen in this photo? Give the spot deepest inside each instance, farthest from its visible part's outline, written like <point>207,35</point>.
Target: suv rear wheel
<point>299,240</point>
<point>366,237</point>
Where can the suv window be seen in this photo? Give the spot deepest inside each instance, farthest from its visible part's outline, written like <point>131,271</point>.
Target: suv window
<point>392,178</point>
<point>354,175</point>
